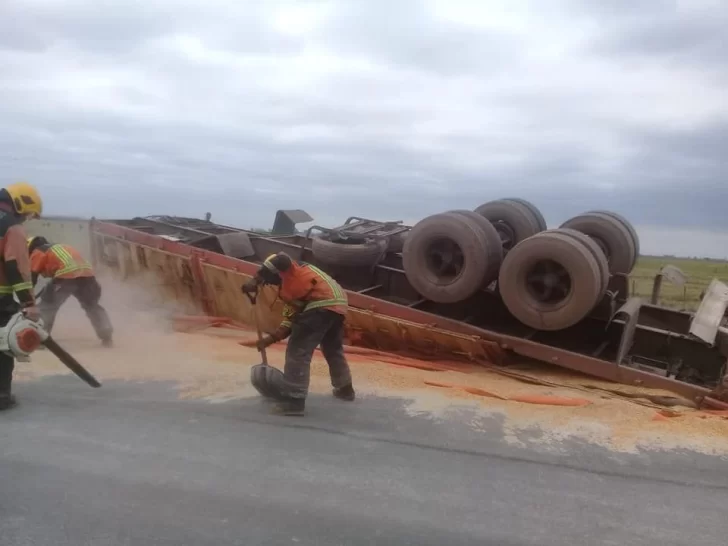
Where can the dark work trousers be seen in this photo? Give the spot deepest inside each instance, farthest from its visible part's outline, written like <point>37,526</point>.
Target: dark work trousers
<point>7,362</point>
<point>87,291</point>
<point>311,328</point>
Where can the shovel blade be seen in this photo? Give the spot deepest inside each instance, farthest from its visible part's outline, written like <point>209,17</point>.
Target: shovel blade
<point>262,377</point>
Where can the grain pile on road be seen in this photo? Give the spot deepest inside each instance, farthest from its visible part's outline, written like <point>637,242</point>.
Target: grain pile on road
<point>210,364</point>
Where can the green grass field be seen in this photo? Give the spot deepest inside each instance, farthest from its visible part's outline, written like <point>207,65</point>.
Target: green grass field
<point>699,273</point>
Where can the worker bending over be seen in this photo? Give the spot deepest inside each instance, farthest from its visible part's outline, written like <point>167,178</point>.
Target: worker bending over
<point>71,275</point>
<point>18,202</point>
<point>314,314</point>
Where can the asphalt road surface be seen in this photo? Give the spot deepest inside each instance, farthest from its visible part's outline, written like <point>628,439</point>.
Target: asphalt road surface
<point>130,464</point>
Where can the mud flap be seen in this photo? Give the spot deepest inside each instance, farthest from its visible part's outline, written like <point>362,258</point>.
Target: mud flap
<point>267,380</point>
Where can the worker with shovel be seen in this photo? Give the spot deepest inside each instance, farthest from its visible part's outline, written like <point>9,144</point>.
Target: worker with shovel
<point>314,314</point>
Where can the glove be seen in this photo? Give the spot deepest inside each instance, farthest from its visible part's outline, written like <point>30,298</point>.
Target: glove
<point>32,313</point>
<point>250,287</point>
<point>265,342</point>
<point>259,344</point>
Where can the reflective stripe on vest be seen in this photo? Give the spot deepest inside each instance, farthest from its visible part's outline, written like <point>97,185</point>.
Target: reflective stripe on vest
<point>339,296</point>
<point>69,263</point>
<point>10,289</point>
<point>288,313</point>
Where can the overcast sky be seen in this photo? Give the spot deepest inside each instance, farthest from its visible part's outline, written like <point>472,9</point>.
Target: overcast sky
<point>389,109</point>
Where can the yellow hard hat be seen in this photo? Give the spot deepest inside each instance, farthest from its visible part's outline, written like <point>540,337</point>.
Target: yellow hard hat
<point>26,198</point>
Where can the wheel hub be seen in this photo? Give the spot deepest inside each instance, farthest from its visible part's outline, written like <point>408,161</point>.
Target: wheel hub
<point>506,234</point>
<point>548,282</point>
<point>445,258</point>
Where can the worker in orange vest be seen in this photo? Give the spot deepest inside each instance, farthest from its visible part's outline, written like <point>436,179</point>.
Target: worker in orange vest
<point>18,202</point>
<point>314,314</point>
<point>71,275</point>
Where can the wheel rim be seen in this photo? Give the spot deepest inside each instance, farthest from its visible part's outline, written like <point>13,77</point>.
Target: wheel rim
<point>445,259</point>
<point>506,234</point>
<point>604,248</point>
<point>548,282</point>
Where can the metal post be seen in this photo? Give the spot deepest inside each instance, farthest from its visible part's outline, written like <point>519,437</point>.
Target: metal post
<point>656,286</point>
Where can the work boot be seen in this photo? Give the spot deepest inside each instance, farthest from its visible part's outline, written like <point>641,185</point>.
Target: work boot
<point>7,401</point>
<point>289,406</point>
<point>345,393</point>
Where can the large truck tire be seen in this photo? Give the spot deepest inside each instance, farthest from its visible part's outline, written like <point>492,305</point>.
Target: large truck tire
<point>550,281</point>
<point>632,231</point>
<point>513,221</point>
<point>595,250</point>
<point>533,208</point>
<point>612,236</point>
<point>493,247</point>
<point>366,254</point>
<point>446,258</point>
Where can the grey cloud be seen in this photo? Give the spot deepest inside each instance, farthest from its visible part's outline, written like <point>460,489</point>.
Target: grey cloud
<point>376,181</point>
<point>116,29</point>
<point>408,35</point>
<point>92,24</point>
<point>383,191</point>
<point>621,10</point>
<point>674,35</point>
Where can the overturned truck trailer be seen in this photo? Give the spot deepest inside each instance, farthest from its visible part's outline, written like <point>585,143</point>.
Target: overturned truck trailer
<point>457,282</point>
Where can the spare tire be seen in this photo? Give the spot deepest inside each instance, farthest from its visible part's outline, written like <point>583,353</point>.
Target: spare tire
<point>612,237</point>
<point>533,208</point>
<point>445,258</point>
<point>361,254</point>
<point>632,231</point>
<point>493,248</point>
<point>513,221</point>
<point>595,250</point>
<point>550,281</point>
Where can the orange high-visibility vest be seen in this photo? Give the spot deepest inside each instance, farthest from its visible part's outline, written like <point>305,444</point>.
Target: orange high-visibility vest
<point>305,287</point>
<point>60,261</point>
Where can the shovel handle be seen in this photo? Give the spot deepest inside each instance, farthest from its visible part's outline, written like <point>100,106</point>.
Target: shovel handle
<point>253,297</point>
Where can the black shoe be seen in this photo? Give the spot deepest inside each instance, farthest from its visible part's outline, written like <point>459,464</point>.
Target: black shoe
<point>7,401</point>
<point>290,407</point>
<point>107,342</point>
<point>345,393</point>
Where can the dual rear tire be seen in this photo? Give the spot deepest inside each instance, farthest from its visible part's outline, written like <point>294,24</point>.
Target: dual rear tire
<point>548,279</point>
<point>554,279</point>
<point>448,257</point>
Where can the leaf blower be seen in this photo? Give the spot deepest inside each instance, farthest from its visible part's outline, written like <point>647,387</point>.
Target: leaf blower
<point>21,336</point>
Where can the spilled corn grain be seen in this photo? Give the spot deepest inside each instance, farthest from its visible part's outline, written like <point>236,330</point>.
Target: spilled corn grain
<point>216,368</point>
